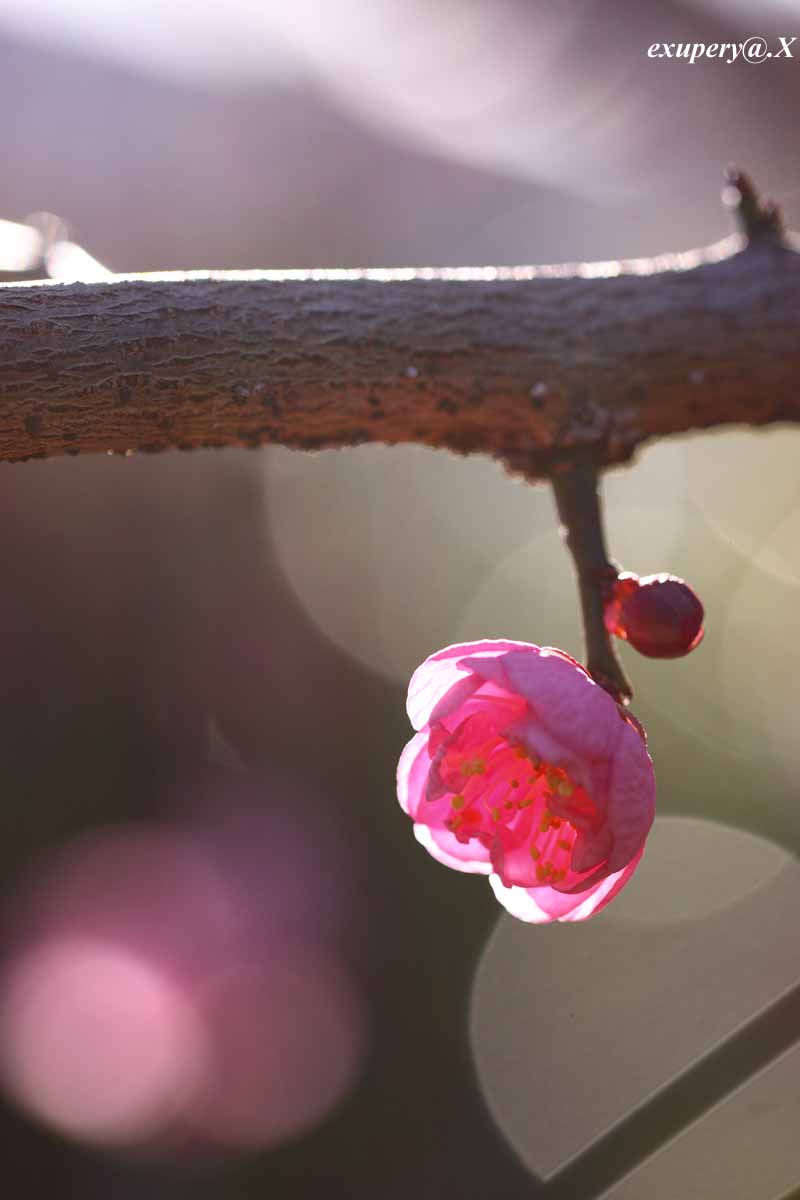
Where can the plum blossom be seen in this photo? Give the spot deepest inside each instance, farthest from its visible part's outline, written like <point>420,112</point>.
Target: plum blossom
<point>526,770</point>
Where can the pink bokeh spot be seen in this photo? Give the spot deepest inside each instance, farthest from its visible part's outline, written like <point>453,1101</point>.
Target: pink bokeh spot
<point>287,1039</point>
<point>98,1041</point>
<point>524,769</point>
<point>166,988</point>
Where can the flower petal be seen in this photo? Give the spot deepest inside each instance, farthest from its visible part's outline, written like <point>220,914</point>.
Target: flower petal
<point>487,669</point>
<point>570,705</point>
<point>510,853</point>
<point>542,744</point>
<point>604,893</point>
<point>489,647</point>
<point>591,849</point>
<point>540,905</point>
<point>445,847</point>
<point>433,679</point>
<point>455,696</point>
<point>412,774</point>
<point>632,798</point>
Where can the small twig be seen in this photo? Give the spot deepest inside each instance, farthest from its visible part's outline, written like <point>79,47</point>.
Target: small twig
<point>576,491</point>
<point>757,218</point>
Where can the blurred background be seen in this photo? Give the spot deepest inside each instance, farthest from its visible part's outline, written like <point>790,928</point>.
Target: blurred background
<point>228,970</point>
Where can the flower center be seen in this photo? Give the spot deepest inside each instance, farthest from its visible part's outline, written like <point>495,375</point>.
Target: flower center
<point>512,802</point>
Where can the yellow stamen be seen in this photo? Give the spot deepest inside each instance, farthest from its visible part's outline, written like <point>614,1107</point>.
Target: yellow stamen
<point>458,801</point>
<point>564,844</point>
<point>534,853</point>
<point>565,788</point>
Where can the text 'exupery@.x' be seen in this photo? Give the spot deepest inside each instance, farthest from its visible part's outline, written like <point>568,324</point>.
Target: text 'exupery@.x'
<point>752,50</point>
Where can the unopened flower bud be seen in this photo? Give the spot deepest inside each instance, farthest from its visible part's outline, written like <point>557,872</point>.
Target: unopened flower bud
<point>659,615</point>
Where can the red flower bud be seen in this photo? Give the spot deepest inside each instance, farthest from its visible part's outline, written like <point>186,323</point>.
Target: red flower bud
<point>659,615</point>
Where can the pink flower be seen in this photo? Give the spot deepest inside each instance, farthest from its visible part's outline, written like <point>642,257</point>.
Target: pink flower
<point>524,769</point>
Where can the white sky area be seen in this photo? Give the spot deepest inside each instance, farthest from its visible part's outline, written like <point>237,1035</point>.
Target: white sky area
<point>476,81</point>
<point>246,40</point>
<point>189,39</point>
<point>747,11</point>
<point>487,83</point>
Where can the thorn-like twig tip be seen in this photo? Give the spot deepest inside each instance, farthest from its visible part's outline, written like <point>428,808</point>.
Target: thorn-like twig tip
<point>757,218</point>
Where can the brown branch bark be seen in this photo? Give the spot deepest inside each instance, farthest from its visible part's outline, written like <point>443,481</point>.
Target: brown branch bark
<point>576,490</point>
<point>523,363</point>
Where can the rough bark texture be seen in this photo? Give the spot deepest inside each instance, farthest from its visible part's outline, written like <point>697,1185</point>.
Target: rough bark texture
<point>523,363</point>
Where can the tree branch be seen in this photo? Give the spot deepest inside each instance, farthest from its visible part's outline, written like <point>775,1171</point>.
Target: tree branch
<point>525,363</point>
<point>577,497</point>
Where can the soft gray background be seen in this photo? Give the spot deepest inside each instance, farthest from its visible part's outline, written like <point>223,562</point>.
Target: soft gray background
<point>289,597</point>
